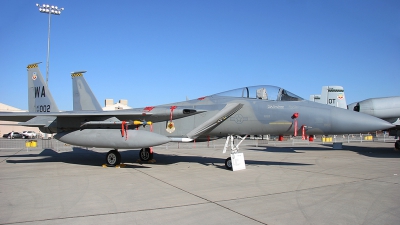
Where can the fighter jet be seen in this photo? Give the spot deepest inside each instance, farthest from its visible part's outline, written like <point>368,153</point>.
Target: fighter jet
<point>262,109</point>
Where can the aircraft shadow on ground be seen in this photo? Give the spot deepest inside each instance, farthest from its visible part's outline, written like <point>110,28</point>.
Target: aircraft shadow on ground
<point>377,152</point>
<point>81,156</point>
<point>167,159</point>
<point>78,156</point>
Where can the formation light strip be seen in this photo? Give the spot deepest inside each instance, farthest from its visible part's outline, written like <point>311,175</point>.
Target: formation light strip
<point>51,9</point>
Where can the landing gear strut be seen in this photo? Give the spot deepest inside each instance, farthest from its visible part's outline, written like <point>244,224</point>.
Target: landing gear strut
<point>145,154</point>
<point>234,150</point>
<point>113,158</point>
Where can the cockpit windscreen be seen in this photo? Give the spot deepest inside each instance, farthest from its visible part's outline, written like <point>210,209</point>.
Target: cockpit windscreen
<point>265,92</point>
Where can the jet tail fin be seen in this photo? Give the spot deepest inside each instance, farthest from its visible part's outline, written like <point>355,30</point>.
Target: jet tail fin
<point>331,95</point>
<point>83,96</point>
<point>39,96</point>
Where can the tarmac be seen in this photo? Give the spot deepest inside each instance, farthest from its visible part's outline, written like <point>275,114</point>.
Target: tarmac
<point>282,184</point>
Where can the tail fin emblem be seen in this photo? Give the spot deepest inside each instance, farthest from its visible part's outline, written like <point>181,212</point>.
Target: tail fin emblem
<point>34,76</point>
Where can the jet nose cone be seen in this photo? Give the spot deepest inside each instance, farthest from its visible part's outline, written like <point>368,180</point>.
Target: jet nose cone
<point>346,121</point>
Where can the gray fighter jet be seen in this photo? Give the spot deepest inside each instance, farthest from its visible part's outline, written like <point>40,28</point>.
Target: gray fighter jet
<point>256,110</point>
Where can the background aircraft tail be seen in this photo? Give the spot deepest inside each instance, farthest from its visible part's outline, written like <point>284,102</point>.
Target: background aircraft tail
<point>39,96</point>
<point>331,95</point>
<point>83,96</point>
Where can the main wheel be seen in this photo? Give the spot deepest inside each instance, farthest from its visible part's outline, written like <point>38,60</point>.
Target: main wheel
<point>113,158</point>
<point>228,163</point>
<point>145,154</point>
<point>397,145</point>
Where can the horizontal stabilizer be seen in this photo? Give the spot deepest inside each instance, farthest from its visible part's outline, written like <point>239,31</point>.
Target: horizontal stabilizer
<point>39,121</point>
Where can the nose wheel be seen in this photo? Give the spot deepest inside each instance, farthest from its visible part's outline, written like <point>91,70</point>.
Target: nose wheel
<point>145,154</point>
<point>228,163</point>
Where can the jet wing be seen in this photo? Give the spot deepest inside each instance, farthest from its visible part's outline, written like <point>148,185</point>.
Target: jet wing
<point>214,121</point>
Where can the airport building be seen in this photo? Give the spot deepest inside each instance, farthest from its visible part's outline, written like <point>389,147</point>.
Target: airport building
<point>7,126</point>
<point>122,104</point>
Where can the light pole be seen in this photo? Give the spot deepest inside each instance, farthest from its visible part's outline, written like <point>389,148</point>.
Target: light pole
<point>49,9</point>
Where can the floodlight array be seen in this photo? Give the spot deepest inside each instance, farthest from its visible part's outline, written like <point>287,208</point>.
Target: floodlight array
<point>51,9</point>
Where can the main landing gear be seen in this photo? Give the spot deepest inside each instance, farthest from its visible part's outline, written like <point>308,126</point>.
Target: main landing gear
<point>146,154</point>
<point>234,149</point>
<point>113,157</point>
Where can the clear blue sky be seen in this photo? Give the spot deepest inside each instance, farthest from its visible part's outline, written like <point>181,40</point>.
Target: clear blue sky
<point>156,52</point>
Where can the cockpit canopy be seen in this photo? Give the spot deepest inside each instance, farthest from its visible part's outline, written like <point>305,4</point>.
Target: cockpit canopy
<point>266,92</point>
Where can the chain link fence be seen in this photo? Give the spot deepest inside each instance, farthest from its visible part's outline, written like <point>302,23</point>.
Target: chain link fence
<point>220,143</point>
<point>54,144</point>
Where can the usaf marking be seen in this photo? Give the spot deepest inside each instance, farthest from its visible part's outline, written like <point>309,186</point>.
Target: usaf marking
<point>43,108</point>
<point>276,107</point>
<point>239,118</point>
<point>40,94</point>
